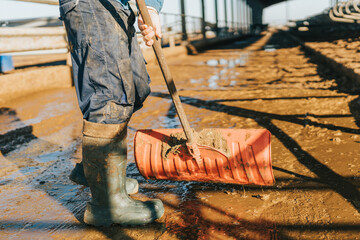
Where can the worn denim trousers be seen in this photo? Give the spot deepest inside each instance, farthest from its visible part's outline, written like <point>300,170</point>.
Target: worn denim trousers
<point>109,70</point>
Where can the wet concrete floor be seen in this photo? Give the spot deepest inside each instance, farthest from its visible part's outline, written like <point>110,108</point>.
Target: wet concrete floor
<point>315,152</point>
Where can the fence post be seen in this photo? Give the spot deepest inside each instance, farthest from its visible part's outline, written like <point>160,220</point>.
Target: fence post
<point>216,18</point>
<point>225,9</point>
<point>183,21</point>
<point>232,16</point>
<point>241,7</point>
<point>251,19</point>
<point>203,31</point>
<point>238,14</point>
<point>246,16</point>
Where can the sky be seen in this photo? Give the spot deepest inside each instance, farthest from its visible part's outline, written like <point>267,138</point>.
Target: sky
<point>276,14</point>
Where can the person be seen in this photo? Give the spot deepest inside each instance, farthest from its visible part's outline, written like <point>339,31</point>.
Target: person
<point>111,83</point>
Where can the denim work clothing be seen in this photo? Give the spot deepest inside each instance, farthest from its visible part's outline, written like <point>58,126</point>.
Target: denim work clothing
<point>109,70</point>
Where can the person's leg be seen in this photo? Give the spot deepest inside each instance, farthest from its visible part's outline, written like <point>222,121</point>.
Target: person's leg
<point>79,37</point>
<point>104,147</point>
<point>100,35</point>
<point>84,57</point>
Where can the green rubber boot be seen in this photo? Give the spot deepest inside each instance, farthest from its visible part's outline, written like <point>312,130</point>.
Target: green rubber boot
<point>77,175</point>
<point>104,160</point>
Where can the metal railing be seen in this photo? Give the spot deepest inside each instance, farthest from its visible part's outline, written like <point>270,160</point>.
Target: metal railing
<point>44,34</point>
<point>345,11</point>
<point>49,2</point>
<point>172,28</point>
<point>16,40</point>
<point>171,25</point>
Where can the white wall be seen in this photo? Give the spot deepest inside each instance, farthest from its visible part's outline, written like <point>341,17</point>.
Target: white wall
<point>298,9</point>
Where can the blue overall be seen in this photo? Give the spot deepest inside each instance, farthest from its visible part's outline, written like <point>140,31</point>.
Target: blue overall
<point>109,70</point>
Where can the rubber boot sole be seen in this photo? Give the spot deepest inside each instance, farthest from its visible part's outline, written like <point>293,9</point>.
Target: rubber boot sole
<point>100,216</point>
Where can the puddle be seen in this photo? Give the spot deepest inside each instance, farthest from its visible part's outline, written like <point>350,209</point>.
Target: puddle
<point>213,81</point>
<point>212,63</point>
<point>26,171</point>
<point>49,157</point>
<point>65,191</point>
<point>233,83</point>
<point>229,63</point>
<point>167,122</point>
<point>244,57</point>
<point>270,48</point>
<point>22,174</point>
<point>196,80</point>
<point>224,61</point>
<point>226,73</point>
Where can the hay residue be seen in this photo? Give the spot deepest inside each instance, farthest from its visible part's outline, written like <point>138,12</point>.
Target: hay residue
<point>207,137</point>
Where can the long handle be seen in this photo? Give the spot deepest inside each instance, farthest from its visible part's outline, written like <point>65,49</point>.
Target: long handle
<point>167,74</point>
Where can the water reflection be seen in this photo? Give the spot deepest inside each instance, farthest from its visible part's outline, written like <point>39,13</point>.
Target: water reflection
<point>225,73</point>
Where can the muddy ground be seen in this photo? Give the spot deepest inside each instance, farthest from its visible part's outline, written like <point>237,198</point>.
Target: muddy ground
<point>314,123</point>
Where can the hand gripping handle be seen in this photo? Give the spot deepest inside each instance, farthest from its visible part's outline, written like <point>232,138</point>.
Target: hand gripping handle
<point>194,151</point>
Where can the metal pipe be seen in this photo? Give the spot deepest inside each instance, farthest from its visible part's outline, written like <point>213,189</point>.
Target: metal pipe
<point>17,50</point>
<point>339,19</point>
<point>348,14</point>
<point>355,5</point>
<point>31,32</point>
<point>347,6</point>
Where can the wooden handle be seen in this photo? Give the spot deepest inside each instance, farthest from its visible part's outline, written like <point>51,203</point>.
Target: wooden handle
<point>167,74</point>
